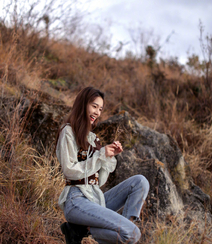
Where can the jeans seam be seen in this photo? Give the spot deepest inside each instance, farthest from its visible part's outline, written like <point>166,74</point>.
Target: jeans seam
<point>86,212</point>
<point>119,192</point>
<point>142,194</point>
<point>126,205</point>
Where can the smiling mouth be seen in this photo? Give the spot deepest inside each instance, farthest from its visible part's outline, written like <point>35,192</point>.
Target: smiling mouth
<point>92,118</point>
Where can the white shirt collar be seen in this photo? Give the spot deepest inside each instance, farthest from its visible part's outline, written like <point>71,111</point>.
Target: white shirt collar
<point>91,138</point>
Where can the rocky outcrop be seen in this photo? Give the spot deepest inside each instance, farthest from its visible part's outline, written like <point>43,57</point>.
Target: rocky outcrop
<point>158,157</point>
<point>155,155</point>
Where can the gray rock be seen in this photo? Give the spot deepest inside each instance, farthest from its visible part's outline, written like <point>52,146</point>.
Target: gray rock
<point>43,123</point>
<point>157,157</point>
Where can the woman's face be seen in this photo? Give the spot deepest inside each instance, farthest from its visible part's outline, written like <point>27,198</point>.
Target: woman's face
<point>94,109</point>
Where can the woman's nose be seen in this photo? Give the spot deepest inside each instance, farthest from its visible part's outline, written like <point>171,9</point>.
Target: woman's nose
<point>97,112</point>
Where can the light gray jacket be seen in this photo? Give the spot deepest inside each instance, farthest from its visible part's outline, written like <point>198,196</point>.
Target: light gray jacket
<point>67,151</point>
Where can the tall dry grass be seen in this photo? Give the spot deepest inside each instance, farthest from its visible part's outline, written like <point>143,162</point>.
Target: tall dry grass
<point>30,183</point>
<point>174,230</point>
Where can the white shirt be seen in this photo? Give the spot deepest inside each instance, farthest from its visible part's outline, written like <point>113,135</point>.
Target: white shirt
<point>67,151</point>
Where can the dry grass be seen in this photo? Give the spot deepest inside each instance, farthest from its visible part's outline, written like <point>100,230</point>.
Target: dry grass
<point>30,184</point>
<point>164,98</point>
<point>175,230</point>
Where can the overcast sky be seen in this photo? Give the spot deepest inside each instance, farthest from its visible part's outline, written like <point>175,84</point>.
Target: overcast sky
<point>158,20</point>
<point>137,23</point>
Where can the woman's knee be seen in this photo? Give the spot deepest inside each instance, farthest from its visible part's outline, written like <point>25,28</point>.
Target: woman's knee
<point>141,181</point>
<point>131,236</point>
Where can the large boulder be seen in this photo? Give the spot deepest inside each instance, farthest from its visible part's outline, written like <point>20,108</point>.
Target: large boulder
<point>157,157</point>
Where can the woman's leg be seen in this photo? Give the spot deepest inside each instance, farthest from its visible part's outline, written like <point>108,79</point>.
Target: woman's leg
<point>106,226</point>
<point>131,194</point>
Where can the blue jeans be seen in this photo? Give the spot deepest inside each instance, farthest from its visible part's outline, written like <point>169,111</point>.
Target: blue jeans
<point>106,225</point>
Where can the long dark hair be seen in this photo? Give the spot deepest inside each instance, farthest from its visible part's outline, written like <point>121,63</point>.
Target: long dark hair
<point>78,118</point>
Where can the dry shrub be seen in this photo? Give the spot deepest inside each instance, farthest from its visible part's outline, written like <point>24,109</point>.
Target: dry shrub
<point>30,192</point>
<point>200,159</point>
<point>21,224</point>
<point>30,184</point>
<point>89,240</point>
<point>174,230</point>
<point>205,148</point>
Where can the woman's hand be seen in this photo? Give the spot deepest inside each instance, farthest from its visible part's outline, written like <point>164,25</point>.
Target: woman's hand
<point>118,147</point>
<point>113,149</point>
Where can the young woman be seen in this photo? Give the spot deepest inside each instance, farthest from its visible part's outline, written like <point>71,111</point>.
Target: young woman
<point>86,166</point>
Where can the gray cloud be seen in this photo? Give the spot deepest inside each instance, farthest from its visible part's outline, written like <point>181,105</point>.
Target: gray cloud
<point>163,17</point>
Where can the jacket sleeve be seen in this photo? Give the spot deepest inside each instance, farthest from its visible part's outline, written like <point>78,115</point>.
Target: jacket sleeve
<point>67,155</point>
<point>108,166</point>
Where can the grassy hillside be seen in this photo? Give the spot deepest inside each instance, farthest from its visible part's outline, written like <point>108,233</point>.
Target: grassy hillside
<point>161,95</point>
